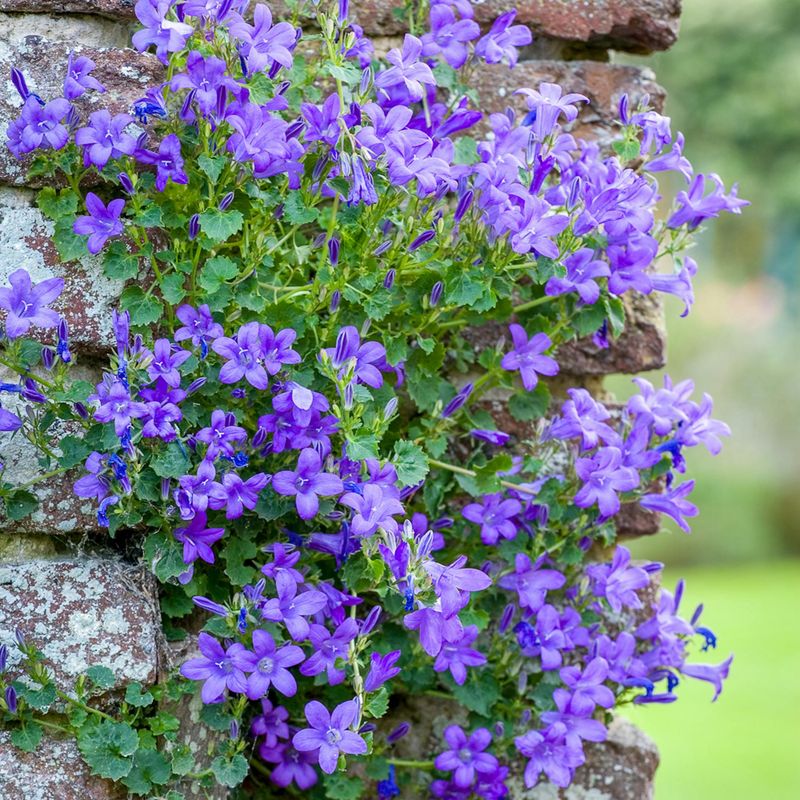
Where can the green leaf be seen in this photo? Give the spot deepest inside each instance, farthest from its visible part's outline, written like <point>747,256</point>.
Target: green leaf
<point>149,216</point>
<point>465,287</point>
<point>212,166</point>
<point>57,205</point>
<point>40,699</point>
<point>27,737</point>
<point>216,271</point>
<point>410,462</point>
<point>616,314</point>
<point>20,504</point>
<point>272,506</point>
<point>171,462</point>
<point>231,772</point>
<point>134,696</point>
<point>144,309</point>
<point>363,446</point>
<point>102,677</point>
<point>378,704</point>
<point>149,768</point>
<point>216,717</point>
<point>589,319</point>
<point>70,246</point>
<point>182,760</point>
<point>236,551</point>
<point>466,151</point>
<point>172,288</point>
<point>220,225</point>
<point>347,73</point>
<point>627,149</point>
<point>118,263</point>
<point>108,747</point>
<point>479,693</point>
<point>527,406</point>
<point>340,786</point>
<point>164,555</point>
<point>295,212</point>
<point>74,451</point>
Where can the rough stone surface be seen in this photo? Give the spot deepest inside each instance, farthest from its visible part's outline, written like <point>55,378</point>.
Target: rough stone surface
<point>88,297</point>
<point>82,612</point>
<point>39,45</point>
<point>54,771</point>
<point>112,9</point>
<point>602,83</point>
<point>642,346</point>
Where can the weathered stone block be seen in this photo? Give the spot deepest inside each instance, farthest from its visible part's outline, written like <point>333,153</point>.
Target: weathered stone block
<point>54,771</point>
<point>112,9</point>
<point>80,613</point>
<point>40,45</point>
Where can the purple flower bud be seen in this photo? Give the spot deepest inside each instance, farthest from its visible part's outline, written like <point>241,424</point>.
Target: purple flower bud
<point>18,79</point>
<point>126,183</point>
<point>30,391</point>
<point>371,621</point>
<point>348,396</point>
<point>368,727</point>
<point>222,11</point>
<point>623,110</point>
<point>436,293</point>
<point>196,384</point>
<point>336,297</point>
<point>388,281</point>
<point>11,699</point>
<point>424,237</point>
<point>3,657</point>
<point>230,419</point>
<point>259,438</point>
<point>366,80</point>
<point>222,101</point>
<point>165,488</point>
<point>344,10</point>
<point>525,717</point>
<point>574,193</point>
<point>19,635</point>
<point>499,730</point>
<point>345,165</point>
<point>194,227</point>
<point>141,141</point>
<point>464,203</point>
<point>278,212</point>
<point>233,730</point>
<point>48,358</point>
<point>530,149</point>
<point>398,733</point>
<point>122,330</point>
<point>319,240</point>
<point>425,544</point>
<point>282,89</point>
<point>333,251</point>
<point>81,410</point>
<point>506,617</point>
<point>319,167</point>
<point>390,408</point>
<point>274,69</point>
<point>226,201</point>
<point>210,606</point>
<point>294,129</point>
<point>138,344</point>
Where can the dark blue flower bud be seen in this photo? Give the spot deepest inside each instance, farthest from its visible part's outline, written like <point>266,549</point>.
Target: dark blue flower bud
<point>388,281</point>
<point>336,298</point>
<point>126,183</point>
<point>48,358</point>
<point>210,606</point>
<point>194,227</point>
<point>11,699</point>
<point>436,293</point>
<point>366,80</point>
<point>424,237</point>
<point>333,251</point>
<point>81,410</point>
<point>222,100</point>
<point>18,79</point>
<point>623,110</point>
<point>344,10</point>
<point>197,383</point>
<point>371,621</point>
<point>465,201</point>
<point>382,247</point>
<point>226,201</point>
<point>398,733</point>
<point>295,128</point>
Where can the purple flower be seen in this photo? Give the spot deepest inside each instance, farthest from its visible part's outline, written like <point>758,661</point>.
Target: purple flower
<point>9,422</point>
<point>526,356</point>
<point>496,438</point>
<point>373,509</point>
<point>78,79</point>
<point>328,649</point>
<point>96,483</point>
<point>406,70</point>
<point>711,674</point>
<point>587,689</point>
<point>39,126</point>
<point>243,353</point>
<point>618,582</point>
<point>104,138</point>
<point>457,656</point>
<point>466,758</point>
<point>531,582</point>
<point>205,77</point>
<point>284,557</point>
<point>260,138</point>
<point>197,539</point>
<point>582,269</point>
<point>454,584</point>
<point>291,608</point>
<point>370,357</point>
<point>263,43</point>
<point>547,105</point>
<point>167,161</point>
<point>270,723</point>
<point>292,766</point>
<point>503,39</point>
<point>434,628</point>
<point>382,669</point>
<point>673,504</point>
<point>495,514</point>
<point>583,416</point>
<point>306,483</point>
<point>101,224</point>
<point>116,405</point>
<point>329,734</point>
<point>550,751</point>
<point>448,37</point>
<point>700,428</point>
<point>533,227</point>
<point>163,362</point>
<point>323,121</point>
<point>167,35</point>
<point>234,494</point>
<point>267,665</point>
<point>221,435</point>
<point>695,206</point>
<point>198,325</point>
<point>27,303</point>
<point>216,668</point>
<point>603,475</point>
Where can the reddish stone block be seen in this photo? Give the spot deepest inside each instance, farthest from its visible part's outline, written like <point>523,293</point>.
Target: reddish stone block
<point>54,771</point>
<point>112,9</point>
<point>81,613</point>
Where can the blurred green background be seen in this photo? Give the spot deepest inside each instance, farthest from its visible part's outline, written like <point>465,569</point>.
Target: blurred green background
<point>734,89</point>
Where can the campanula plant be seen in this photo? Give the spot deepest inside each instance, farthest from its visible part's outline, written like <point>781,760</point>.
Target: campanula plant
<point>295,425</point>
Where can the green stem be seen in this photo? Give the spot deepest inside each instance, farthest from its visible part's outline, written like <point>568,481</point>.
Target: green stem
<point>472,474</point>
<point>404,762</point>
<point>43,477</point>
<point>539,301</point>
<point>78,704</point>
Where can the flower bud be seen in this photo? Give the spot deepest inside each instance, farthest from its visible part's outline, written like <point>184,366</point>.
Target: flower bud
<point>194,227</point>
<point>436,293</point>
<point>420,240</point>
<point>388,281</point>
<point>398,733</point>
<point>126,183</point>
<point>333,251</point>
<point>226,201</point>
<point>371,621</point>
<point>259,438</point>
<point>336,297</point>
<point>48,358</point>
<point>382,247</point>
<point>18,79</point>
<point>11,699</point>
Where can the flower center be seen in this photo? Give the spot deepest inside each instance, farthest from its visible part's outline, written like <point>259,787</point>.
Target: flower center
<point>333,736</point>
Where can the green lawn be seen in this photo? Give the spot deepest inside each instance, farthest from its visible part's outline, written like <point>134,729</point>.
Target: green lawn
<point>746,746</point>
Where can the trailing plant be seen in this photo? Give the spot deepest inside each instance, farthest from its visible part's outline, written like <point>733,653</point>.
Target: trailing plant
<point>299,420</point>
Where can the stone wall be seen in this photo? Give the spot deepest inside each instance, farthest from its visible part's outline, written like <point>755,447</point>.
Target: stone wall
<point>83,604</point>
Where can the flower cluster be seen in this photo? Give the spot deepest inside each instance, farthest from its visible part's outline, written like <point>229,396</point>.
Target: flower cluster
<point>293,380</point>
